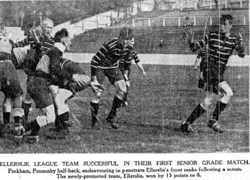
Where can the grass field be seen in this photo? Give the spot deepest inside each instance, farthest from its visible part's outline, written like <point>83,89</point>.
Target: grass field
<point>157,106</point>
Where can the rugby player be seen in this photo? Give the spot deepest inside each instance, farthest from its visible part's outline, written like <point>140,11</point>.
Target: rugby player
<point>221,45</point>
<point>55,79</point>
<point>105,63</point>
<point>10,86</point>
<point>125,67</point>
<point>40,41</point>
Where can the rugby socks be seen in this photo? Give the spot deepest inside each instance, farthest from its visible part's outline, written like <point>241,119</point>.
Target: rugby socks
<point>26,108</point>
<point>63,121</point>
<point>220,106</point>
<point>116,105</point>
<point>125,96</point>
<point>94,112</point>
<point>197,112</point>
<point>6,117</point>
<point>17,120</point>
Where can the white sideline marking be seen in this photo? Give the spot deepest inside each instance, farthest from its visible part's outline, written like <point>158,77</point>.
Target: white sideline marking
<point>163,59</point>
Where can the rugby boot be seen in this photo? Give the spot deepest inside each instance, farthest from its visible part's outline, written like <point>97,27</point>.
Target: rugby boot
<point>62,129</point>
<point>18,132</point>
<point>186,127</point>
<point>213,124</point>
<point>6,118</point>
<point>5,127</point>
<point>125,100</point>
<point>35,128</point>
<point>26,108</point>
<point>113,113</point>
<point>113,121</point>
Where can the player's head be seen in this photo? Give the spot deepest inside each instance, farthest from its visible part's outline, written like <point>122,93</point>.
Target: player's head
<point>63,37</point>
<point>226,23</point>
<point>47,26</point>
<point>125,36</point>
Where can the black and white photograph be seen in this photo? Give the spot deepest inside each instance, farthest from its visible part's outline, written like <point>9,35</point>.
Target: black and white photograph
<point>141,89</point>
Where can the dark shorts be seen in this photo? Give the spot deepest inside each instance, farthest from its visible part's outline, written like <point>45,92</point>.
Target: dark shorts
<point>213,75</point>
<point>9,81</point>
<point>30,63</point>
<point>112,74</point>
<point>38,89</point>
<point>203,64</point>
<point>125,67</point>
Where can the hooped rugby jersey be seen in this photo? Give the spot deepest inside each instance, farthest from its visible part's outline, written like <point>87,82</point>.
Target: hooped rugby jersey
<point>109,55</point>
<point>220,47</point>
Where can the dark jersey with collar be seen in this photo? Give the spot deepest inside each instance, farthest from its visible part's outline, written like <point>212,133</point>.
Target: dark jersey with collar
<point>109,55</point>
<point>220,48</point>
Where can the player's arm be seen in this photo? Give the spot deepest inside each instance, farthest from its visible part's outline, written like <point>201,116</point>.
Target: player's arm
<point>138,62</point>
<point>22,43</point>
<point>239,46</point>
<point>195,46</point>
<point>56,64</point>
<point>140,66</point>
<point>197,60</point>
<point>30,39</point>
<point>94,68</point>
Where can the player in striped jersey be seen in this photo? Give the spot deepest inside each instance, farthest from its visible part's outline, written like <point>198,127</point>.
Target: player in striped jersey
<point>221,46</point>
<point>105,64</point>
<point>125,67</point>
<point>40,41</point>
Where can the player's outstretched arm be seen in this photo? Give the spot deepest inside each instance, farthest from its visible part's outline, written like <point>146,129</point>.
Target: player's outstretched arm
<point>140,66</point>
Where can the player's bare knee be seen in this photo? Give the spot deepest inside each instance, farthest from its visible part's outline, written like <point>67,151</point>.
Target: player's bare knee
<point>18,112</point>
<point>207,102</point>
<point>50,114</point>
<point>121,87</point>
<point>97,97</point>
<point>7,108</point>
<point>17,102</point>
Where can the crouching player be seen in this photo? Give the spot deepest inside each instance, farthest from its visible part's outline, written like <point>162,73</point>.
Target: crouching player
<point>125,67</point>
<point>10,86</point>
<point>56,79</point>
<point>105,64</point>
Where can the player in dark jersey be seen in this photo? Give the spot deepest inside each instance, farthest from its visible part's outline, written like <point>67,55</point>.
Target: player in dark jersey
<point>10,86</point>
<point>55,79</point>
<point>105,64</point>
<point>125,67</point>
<point>40,41</point>
<point>221,46</point>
